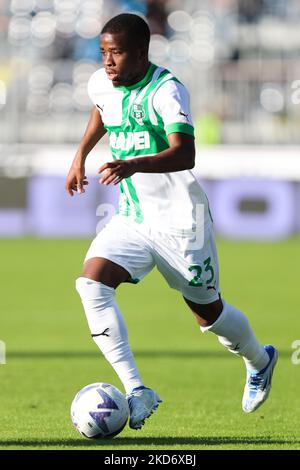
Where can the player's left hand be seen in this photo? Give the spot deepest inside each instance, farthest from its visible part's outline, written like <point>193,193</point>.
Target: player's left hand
<point>116,171</point>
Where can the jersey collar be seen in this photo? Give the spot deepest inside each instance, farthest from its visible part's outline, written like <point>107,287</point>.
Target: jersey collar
<point>142,82</point>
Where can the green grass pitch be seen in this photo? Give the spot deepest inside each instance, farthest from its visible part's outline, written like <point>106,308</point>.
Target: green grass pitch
<point>50,354</point>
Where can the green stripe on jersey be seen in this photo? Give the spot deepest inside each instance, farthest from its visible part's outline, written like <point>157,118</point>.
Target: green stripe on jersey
<point>180,127</point>
<point>135,200</point>
<point>124,204</point>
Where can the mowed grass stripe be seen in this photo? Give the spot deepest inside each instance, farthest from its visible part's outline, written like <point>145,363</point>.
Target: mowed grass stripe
<point>50,354</point>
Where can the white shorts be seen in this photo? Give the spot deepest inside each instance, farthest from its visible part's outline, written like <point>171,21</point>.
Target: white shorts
<point>192,271</point>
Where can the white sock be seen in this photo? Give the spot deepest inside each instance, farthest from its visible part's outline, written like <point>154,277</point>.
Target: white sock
<point>108,329</point>
<point>234,332</point>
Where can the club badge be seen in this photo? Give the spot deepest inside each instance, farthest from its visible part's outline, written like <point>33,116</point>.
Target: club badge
<point>138,113</point>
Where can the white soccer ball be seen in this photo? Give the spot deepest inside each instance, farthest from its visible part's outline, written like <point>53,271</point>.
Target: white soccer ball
<point>99,411</point>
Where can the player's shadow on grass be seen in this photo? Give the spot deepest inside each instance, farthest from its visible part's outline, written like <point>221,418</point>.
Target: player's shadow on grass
<point>137,353</point>
<point>168,442</point>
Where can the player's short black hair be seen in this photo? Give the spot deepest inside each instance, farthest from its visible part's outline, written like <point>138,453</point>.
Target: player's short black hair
<point>133,26</point>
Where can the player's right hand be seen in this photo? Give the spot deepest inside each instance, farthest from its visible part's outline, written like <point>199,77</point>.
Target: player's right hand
<point>76,180</point>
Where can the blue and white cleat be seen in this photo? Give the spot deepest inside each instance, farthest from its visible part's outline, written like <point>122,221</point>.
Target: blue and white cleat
<point>142,402</point>
<point>258,384</point>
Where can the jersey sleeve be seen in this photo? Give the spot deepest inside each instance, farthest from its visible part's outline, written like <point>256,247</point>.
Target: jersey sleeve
<point>172,103</point>
<point>95,88</point>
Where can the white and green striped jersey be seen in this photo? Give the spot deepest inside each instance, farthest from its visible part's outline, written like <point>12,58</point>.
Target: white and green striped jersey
<point>138,119</point>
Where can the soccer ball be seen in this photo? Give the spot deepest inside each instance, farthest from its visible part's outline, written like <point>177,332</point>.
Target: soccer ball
<point>99,411</point>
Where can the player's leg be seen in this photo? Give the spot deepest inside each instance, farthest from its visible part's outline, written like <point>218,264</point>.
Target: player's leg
<point>196,274</point>
<point>105,271</point>
<point>234,332</point>
<point>206,314</point>
<point>96,287</point>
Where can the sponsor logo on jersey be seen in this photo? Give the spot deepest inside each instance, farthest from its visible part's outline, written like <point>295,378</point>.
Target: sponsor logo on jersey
<point>138,113</point>
<point>130,140</point>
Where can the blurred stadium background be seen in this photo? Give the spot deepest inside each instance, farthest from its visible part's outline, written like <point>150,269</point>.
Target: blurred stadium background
<point>240,62</point>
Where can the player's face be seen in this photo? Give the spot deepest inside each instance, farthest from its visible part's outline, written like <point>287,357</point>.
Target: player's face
<point>122,60</point>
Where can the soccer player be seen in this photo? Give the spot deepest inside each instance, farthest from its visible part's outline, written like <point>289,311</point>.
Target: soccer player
<point>163,219</point>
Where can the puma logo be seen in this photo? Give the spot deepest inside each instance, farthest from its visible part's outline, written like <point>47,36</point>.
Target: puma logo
<point>210,287</point>
<point>182,114</point>
<point>102,334</point>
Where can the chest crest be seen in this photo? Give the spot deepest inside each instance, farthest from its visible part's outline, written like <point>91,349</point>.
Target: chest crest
<point>138,113</point>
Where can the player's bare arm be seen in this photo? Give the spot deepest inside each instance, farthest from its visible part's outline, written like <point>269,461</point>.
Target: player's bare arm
<point>180,156</point>
<point>76,179</point>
